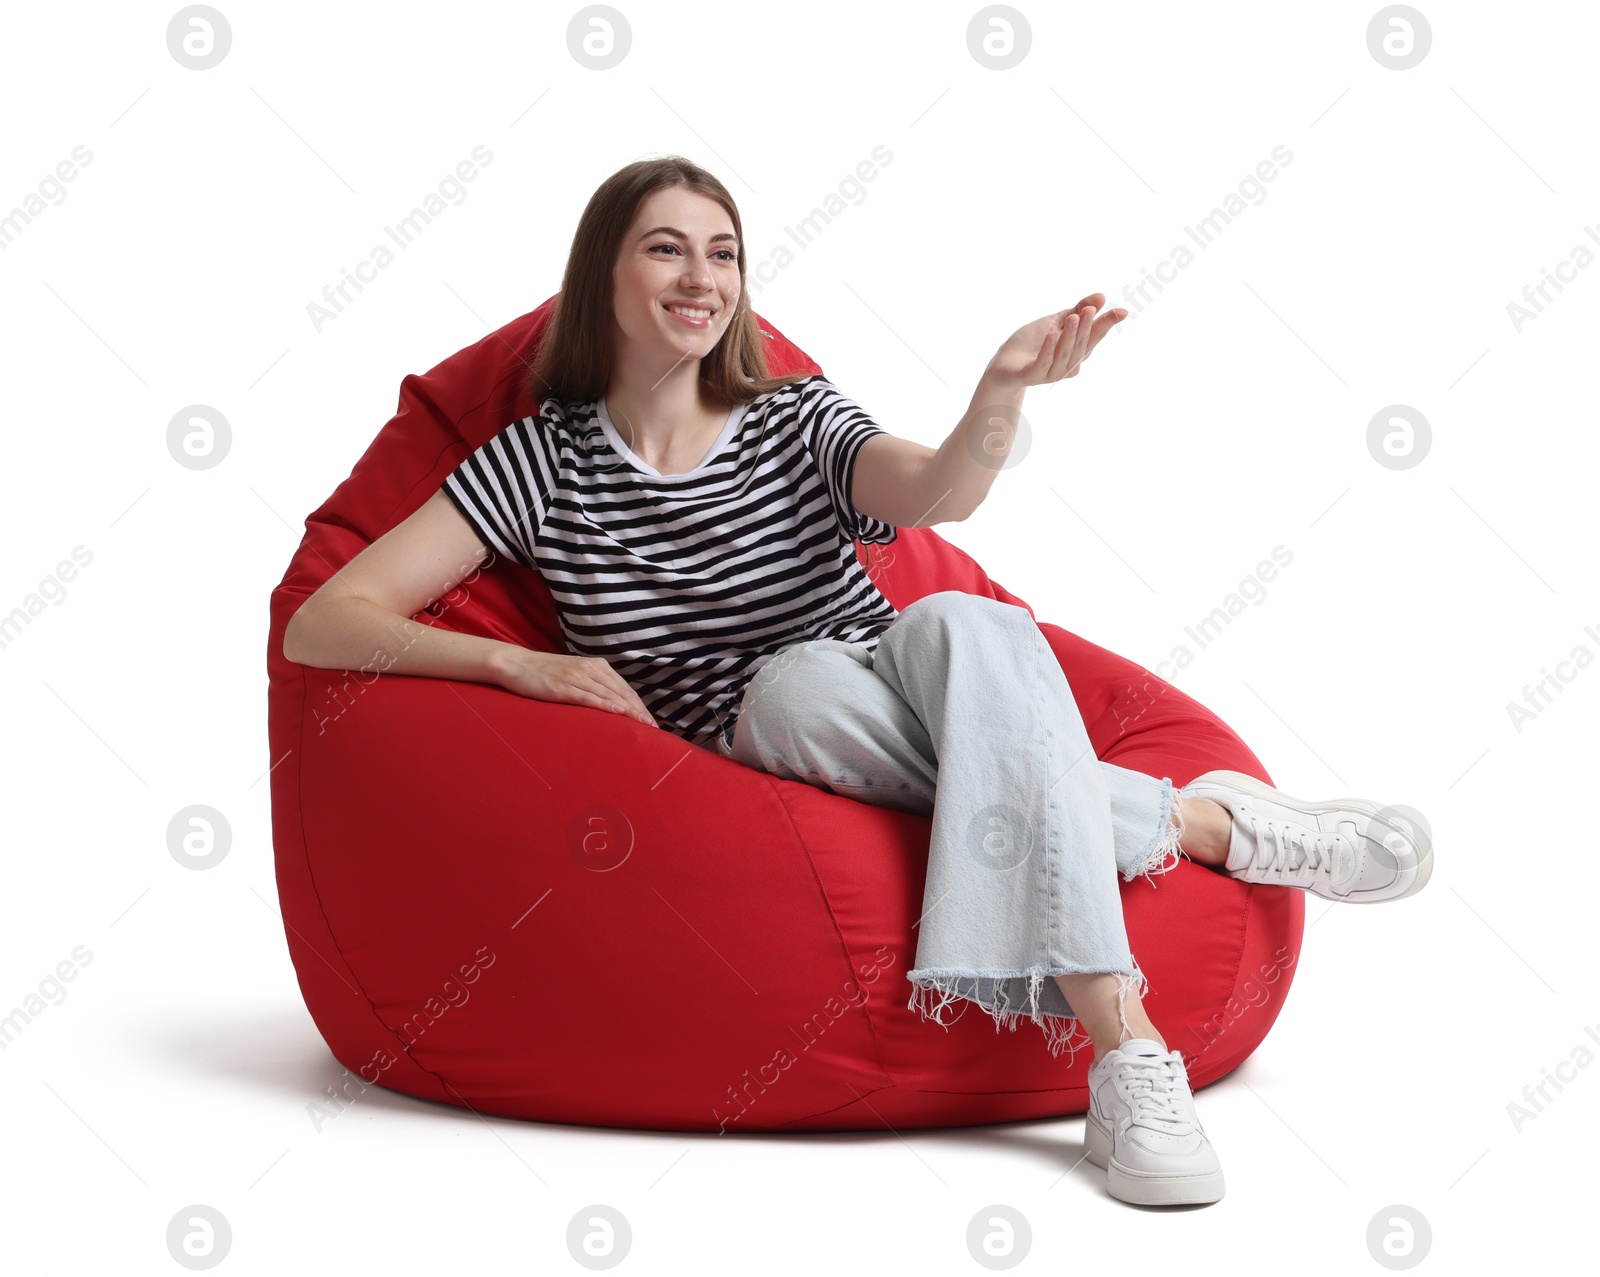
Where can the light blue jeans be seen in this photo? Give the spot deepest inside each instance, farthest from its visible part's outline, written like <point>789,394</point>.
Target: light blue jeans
<point>962,712</point>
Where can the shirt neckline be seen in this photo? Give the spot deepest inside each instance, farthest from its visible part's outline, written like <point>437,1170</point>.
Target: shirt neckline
<point>614,438</point>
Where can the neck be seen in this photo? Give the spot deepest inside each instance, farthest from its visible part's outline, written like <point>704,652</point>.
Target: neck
<point>650,406</point>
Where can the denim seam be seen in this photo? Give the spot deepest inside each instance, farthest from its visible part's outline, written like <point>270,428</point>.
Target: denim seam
<point>1052,877</point>
<point>1162,852</point>
<point>847,788</point>
<point>929,999</point>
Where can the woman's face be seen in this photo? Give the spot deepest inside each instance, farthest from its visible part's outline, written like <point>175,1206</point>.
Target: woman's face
<point>679,252</point>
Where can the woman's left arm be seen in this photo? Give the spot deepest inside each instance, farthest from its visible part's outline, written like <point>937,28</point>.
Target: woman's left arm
<point>909,485</point>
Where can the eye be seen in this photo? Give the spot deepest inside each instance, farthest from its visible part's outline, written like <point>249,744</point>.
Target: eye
<point>726,253</point>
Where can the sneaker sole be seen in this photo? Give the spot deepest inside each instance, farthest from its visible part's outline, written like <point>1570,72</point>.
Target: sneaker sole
<point>1377,895</point>
<point>1142,1188</point>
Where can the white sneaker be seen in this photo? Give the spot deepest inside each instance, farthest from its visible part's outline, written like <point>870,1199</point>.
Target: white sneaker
<point>1345,849</point>
<point>1142,1127</point>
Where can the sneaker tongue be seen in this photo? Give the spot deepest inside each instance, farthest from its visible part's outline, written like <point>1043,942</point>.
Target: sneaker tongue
<point>1241,847</point>
<point>1142,1046</point>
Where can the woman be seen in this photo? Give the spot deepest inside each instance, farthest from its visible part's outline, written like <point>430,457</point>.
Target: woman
<point>694,520</point>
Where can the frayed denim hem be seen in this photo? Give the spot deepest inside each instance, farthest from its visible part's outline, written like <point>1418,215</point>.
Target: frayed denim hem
<point>935,988</point>
<point>1163,853</point>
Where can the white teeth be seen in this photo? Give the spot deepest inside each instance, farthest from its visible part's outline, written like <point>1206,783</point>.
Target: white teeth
<point>690,314</point>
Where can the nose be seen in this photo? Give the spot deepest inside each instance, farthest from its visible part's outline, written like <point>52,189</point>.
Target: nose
<point>697,275</point>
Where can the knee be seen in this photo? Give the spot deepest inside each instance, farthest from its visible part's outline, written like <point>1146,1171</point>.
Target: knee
<point>960,607</point>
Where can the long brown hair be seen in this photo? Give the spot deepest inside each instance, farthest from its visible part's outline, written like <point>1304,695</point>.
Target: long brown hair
<point>577,350</point>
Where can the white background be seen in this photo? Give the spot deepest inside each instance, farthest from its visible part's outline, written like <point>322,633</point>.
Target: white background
<point>1228,418</point>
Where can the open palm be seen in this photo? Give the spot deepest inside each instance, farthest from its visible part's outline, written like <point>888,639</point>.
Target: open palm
<point>1055,346</point>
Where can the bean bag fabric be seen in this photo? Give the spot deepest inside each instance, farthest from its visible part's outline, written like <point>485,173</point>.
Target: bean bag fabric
<point>548,911</point>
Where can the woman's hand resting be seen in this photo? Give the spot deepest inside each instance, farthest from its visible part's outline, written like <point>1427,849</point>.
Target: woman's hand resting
<point>1055,346</point>
<point>572,680</point>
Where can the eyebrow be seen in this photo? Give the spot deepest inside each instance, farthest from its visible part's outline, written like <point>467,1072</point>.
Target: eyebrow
<point>673,230</point>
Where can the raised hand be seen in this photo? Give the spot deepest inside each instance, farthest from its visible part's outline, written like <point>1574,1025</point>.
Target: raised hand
<point>1054,346</point>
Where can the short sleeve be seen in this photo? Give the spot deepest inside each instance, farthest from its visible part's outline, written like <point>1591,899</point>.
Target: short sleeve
<point>503,489</point>
<point>834,427</point>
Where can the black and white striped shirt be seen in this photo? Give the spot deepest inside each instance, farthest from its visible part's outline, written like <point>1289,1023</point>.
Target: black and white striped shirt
<point>688,583</point>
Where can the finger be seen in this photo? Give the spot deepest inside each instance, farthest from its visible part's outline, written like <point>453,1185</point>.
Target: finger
<point>633,701</point>
<point>618,688</point>
<point>1104,324</point>
<point>595,698</point>
<point>1044,358</point>
<point>1061,355</point>
<point>1046,348</point>
<point>1093,299</point>
<point>632,705</point>
<point>1077,348</point>
<point>613,689</point>
<point>1080,345</point>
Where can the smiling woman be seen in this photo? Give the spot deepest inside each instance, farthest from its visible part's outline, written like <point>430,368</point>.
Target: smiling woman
<point>693,518</point>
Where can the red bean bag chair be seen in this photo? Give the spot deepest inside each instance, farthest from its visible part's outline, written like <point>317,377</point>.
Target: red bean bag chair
<point>550,911</point>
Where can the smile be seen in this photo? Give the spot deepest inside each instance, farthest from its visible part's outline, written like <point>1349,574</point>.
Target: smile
<point>694,317</point>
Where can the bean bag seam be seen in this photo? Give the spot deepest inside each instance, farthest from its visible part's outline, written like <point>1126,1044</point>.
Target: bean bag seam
<point>427,475</point>
<point>455,419</point>
<point>1038,1090</point>
<point>822,891</point>
<point>1238,964</point>
<point>1246,914</point>
<point>877,1090</point>
<point>311,876</point>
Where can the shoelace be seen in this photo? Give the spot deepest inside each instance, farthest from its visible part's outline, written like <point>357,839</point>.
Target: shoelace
<point>1316,849</point>
<point>1154,1087</point>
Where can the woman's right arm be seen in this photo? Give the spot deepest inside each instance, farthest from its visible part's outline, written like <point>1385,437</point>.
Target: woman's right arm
<point>361,619</point>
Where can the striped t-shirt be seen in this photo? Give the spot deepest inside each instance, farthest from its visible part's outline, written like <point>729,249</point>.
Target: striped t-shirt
<point>688,583</point>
